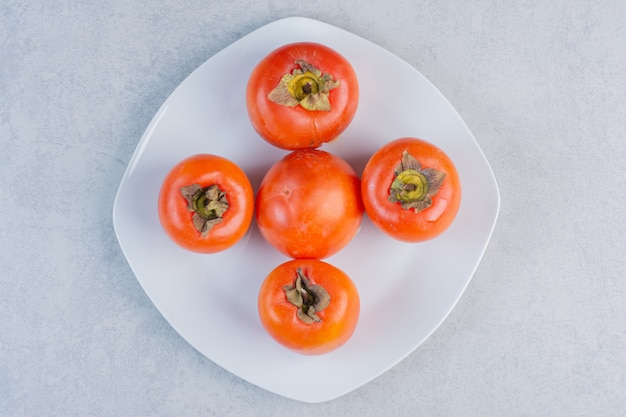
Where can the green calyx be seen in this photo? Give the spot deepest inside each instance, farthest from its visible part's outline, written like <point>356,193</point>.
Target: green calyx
<point>305,86</point>
<point>309,299</point>
<point>208,205</point>
<point>412,186</point>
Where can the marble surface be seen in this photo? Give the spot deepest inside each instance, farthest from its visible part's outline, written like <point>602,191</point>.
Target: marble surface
<point>541,329</point>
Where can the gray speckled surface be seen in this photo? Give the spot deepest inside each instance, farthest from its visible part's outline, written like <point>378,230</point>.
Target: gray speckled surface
<point>541,329</point>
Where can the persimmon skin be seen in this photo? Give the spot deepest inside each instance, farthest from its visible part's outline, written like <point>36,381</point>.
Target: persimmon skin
<point>309,204</point>
<point>391,218</point>
<point>294,127</point>
<point>338,321</point>
<point>206,170</point>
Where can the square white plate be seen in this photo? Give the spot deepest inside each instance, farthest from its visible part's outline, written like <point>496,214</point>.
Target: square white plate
<point>211,299</point>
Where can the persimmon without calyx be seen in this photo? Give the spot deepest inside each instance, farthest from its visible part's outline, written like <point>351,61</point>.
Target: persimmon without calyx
<point>309,204</point>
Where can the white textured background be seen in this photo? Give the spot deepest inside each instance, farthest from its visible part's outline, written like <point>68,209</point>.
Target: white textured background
<point>541,330</point>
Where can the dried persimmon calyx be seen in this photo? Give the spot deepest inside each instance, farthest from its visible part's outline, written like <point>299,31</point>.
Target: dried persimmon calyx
<point>412,186</point>
<point>305,86</point>
<point>208,205</point>
<point>309,298</point>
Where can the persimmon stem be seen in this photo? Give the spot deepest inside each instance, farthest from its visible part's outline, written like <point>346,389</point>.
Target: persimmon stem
<point>309,298</point>
<point>305,86</point>
<point>412,186</point>
<point>208,206</point>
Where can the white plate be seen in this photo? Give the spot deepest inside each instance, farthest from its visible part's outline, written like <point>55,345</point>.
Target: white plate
<point>211,299</point>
